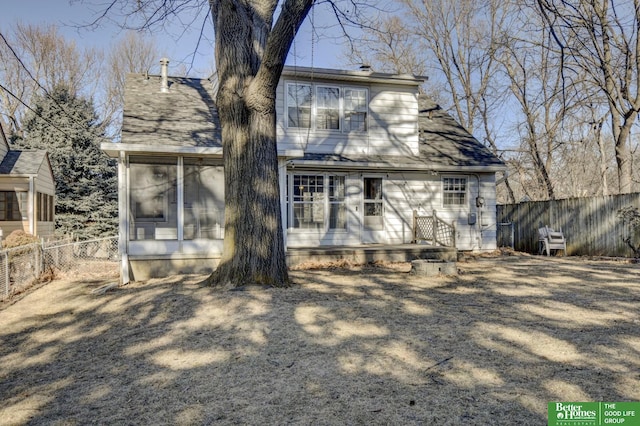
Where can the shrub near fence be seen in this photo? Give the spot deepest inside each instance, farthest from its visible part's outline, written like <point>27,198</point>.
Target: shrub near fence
<point>591,225</point>
<point>21,266</point>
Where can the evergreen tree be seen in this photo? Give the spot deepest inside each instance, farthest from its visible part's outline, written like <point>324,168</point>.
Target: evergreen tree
<point>67,127</point>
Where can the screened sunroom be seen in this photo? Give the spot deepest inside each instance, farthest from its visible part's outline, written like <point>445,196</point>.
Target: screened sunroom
<point>175,198</point>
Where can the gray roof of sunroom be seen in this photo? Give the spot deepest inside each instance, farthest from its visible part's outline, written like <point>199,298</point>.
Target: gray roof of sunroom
<point>184,116</point>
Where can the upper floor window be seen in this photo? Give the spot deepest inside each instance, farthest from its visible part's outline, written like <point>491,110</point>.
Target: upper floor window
<point>355,109</point>
<point>328,108</point>
<point>299,105</point>
<point>454,191</point>
<point>333,108</point>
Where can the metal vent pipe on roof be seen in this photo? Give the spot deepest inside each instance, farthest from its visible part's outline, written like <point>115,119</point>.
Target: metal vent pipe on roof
<point>164,75</point>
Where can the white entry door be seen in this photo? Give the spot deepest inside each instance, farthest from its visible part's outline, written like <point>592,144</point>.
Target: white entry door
<point>373,211</point>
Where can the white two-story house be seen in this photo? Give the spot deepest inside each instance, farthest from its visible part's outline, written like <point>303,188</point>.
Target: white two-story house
<point>359,153</point>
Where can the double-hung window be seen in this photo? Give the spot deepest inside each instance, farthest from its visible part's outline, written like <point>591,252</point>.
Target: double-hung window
<point>334,108</point>
<point>328,108</point>
<point>355,110</point>
<point>299,105</point>
<point>454,191</point>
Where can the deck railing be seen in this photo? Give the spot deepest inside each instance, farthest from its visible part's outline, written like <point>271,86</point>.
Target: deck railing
<point>433,230</point>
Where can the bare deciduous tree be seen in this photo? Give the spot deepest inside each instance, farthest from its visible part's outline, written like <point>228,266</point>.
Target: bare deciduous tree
<point>36,59</point>
<point>455,43</point>
<point>535,84</point>
<point>133,53</point>
<point>389,48</point>
<point>599,39</point>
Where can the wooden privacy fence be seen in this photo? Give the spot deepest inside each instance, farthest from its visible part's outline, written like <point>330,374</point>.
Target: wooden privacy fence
<point>590,225</point>
<point>433,229</point>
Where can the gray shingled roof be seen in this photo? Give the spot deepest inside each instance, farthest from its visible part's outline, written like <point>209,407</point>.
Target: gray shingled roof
<point>444,142</point>
<point>22,162</point>
<point>444,145</point>
<point>185,116</point>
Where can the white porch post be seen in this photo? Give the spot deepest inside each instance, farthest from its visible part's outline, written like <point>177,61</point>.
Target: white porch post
<point>180,198</point>
<point>123,215</point>
<point>282,176</point>
<point>31,205</point>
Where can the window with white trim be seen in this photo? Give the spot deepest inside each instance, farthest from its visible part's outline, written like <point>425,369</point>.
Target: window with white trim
<point>355,110</point>
<point>337,205</point>
<point>299,105</point>
<point>317,201</point>
<point>454,191</point>
<point>328,108</point>
<point>308,201</point>
<point>334,108</point>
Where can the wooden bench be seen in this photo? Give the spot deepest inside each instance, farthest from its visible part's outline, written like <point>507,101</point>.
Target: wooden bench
<point>548,240</point>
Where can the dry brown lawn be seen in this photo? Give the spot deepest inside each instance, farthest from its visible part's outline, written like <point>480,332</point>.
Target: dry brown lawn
<point>372,345</point>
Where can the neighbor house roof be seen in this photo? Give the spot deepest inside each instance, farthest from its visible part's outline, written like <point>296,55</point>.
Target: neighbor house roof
<point>27,162</point>
<point>183,116</point>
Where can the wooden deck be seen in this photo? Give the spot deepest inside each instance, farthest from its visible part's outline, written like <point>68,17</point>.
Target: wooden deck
<point>368,253</point>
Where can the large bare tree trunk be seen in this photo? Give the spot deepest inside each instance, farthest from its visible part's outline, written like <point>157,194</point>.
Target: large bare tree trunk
<point>250,56</point>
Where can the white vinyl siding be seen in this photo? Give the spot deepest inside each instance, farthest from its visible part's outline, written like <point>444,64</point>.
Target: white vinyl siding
<point>415,191</point>
<point>387,126</point>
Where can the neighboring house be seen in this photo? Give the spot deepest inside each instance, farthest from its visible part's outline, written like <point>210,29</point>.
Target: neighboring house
<point>27,191</point>
<point>359,152</point>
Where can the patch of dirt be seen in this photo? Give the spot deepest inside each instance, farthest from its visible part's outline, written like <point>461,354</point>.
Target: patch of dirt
<point>355,345</point>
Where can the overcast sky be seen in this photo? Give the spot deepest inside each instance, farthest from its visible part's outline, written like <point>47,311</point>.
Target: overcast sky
<point>174,42</point>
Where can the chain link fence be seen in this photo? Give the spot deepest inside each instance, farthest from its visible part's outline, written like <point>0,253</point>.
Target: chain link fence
<point>21,267</point>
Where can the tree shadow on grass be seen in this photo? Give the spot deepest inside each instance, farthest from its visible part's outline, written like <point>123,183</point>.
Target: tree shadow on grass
<point>491,346</point>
